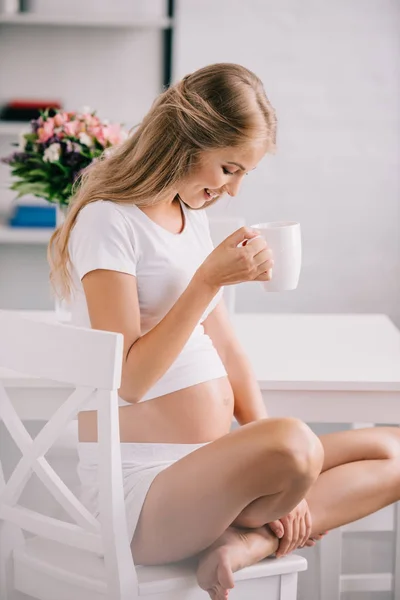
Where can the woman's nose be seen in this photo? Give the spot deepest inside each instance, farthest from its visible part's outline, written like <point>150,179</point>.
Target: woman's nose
<point>233,187</point>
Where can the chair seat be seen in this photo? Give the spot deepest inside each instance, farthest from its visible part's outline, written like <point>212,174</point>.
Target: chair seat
<point>78,567</point>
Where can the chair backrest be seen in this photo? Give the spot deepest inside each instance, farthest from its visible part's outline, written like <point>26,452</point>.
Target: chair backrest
<point>221,228</point>
<point>91,362</point>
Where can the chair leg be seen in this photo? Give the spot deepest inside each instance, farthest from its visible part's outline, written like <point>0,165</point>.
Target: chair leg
<point>330,562</point>
<point>10,537</point>
<point>288,587</point>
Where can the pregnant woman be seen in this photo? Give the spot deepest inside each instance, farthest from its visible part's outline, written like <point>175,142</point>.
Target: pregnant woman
<point>135,256</point>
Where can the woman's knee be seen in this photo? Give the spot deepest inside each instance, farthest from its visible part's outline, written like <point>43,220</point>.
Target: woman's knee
<point>390,444</point>
<point>381,443</point>
<point>300,449</point>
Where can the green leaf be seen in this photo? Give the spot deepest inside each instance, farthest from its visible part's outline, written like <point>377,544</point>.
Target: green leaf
<point>31,160</point>
<point>39,189</point>
<point>63,168</point>
<point>37,173</point>
<point>67,191</point>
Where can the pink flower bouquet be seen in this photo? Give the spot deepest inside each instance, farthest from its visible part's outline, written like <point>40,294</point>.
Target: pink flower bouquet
<point>60,144</point>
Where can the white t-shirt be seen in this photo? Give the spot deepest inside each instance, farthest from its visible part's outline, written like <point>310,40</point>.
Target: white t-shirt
<point>121,237</point>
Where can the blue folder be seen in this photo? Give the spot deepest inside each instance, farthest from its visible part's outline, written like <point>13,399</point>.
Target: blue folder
<point>28,215</point>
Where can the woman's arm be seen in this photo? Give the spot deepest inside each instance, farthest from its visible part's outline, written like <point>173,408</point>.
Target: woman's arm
<point>249,404</point>
<point>113,306</point>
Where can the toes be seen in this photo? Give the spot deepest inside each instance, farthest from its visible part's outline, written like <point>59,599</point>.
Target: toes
<point>218,593</point>
<point>212,592</point>
<point>225,577</point>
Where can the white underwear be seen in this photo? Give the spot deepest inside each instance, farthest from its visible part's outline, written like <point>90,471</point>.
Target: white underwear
<point>141,463</point>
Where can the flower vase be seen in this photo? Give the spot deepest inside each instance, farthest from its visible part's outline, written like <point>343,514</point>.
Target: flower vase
<point>60,306</point>
<point>61,211</point>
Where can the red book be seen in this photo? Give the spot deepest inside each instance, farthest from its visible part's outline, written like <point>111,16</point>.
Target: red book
<point>33,104</point>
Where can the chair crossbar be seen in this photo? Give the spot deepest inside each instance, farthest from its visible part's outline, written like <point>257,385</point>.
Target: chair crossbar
<point>32,459</point>
<point>64,414</point>
<point>61,492</point>
<point>12,422</point>
<point>52,529</point>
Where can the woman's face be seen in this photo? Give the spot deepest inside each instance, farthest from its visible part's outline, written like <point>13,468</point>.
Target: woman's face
<point>219,171</point>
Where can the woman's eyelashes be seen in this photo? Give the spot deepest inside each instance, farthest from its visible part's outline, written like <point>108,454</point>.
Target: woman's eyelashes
<point>226,172</point>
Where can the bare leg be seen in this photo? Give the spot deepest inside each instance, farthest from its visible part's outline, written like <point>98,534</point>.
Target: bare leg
<point>349,491</point>
<point>360,475</point>
<point>194,501</point>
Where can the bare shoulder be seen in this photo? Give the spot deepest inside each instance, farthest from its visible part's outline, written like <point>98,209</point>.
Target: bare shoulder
<point>113,304</point>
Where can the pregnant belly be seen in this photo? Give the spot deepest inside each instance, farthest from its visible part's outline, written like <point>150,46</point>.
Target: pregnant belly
<point>197,414</point>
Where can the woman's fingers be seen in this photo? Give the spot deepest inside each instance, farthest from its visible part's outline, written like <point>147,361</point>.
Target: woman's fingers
<point>261,256</point>
<point>308,523</point>
<point>303,534</point>
<point>286,541</point>
<point>264,271</point>
<point>277,528</point>
<point>264,276</point>
<point>296,534</point>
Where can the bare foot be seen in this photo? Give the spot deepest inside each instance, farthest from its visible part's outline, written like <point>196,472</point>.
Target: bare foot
<point>234,550</point>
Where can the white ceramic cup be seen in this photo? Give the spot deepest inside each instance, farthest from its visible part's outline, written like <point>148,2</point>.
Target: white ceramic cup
<point>284,239</point>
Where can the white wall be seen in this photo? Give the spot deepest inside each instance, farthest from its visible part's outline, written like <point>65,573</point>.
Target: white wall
<point>332,70</point>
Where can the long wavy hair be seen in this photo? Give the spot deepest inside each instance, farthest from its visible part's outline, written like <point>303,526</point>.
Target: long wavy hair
<point>218,106</point>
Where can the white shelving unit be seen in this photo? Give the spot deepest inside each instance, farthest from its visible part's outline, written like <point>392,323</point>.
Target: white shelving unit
<point>24,235</point>
<point>13,128</point>
<point>77,53</point>
<point>94,20</point>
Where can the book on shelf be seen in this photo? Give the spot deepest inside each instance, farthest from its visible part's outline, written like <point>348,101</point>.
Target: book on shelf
<point>31,215</point>
<point>25,109</point>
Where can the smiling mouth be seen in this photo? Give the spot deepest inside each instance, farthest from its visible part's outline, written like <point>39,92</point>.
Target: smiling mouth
<point>211,195</point>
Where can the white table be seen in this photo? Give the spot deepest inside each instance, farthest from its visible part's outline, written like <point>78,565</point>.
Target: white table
<point>320,368</point>
<point>325,368</point>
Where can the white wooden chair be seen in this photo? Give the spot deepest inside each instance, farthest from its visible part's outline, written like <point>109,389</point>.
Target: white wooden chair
<point>221,228</point>
<point>88,558</point>
<point>332,582</point>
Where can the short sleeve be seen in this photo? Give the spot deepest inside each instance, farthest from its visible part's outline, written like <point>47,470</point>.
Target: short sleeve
<point>102,238</point>
<point>202,216</point>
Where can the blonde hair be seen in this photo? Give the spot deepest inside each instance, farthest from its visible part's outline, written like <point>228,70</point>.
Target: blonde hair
<point>218,106</point>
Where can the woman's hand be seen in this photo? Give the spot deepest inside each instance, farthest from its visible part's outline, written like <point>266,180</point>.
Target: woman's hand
<point>231,262</point>
<point>294,530</point>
